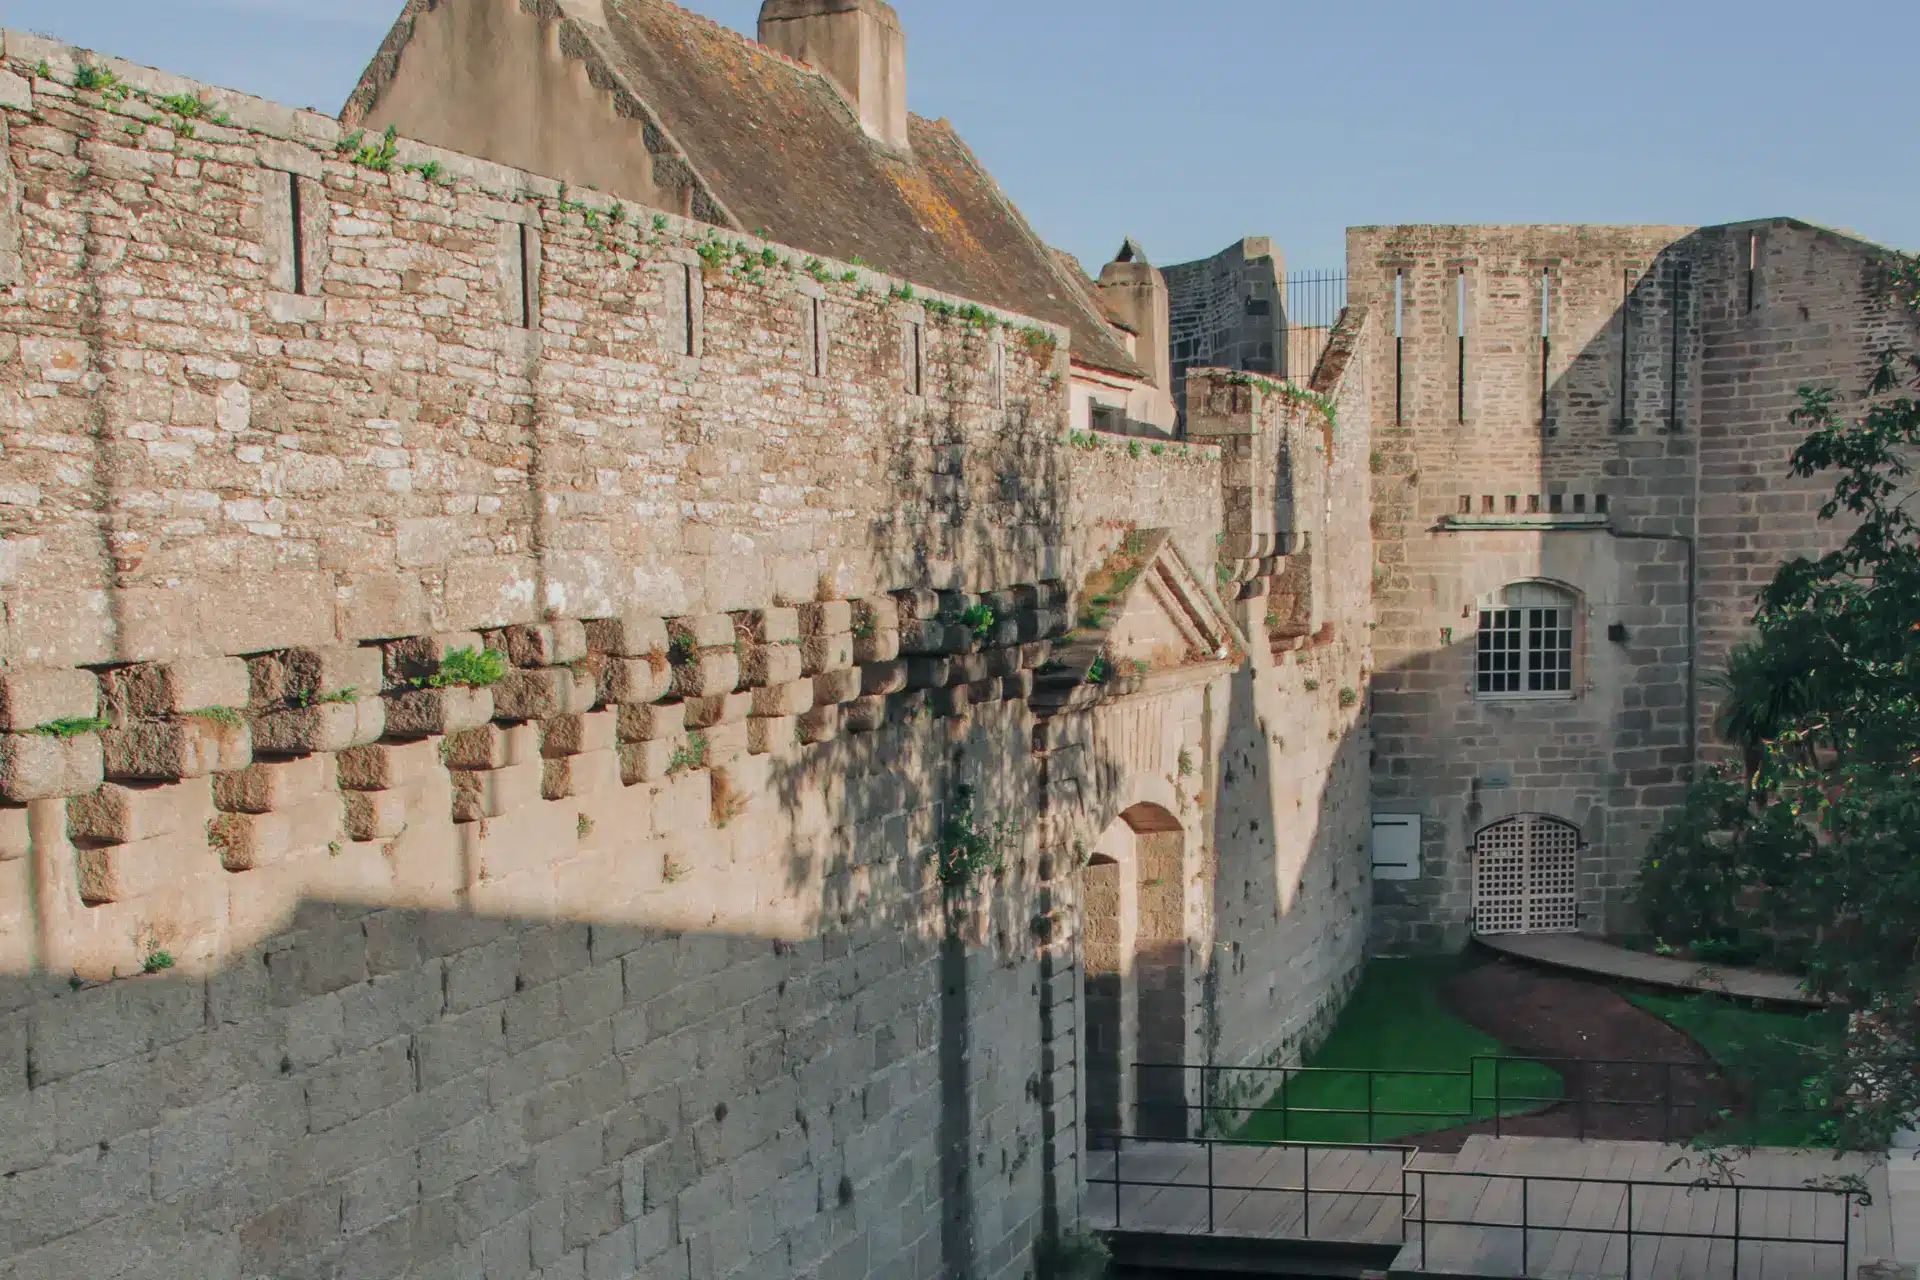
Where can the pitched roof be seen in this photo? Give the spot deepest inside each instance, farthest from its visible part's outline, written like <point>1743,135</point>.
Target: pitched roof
<point>781,152</point>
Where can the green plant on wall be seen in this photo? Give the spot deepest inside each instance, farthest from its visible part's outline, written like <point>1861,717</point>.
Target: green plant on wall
<point>468,668</point>
<point>969,848</point>
<point>979,619</point>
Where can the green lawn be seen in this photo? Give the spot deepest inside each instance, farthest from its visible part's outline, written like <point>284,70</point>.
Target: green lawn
<point>1776,1058</point>
<point>1394,1022</point>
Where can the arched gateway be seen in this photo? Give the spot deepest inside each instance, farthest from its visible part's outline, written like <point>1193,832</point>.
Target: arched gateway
<point>1525,876</point>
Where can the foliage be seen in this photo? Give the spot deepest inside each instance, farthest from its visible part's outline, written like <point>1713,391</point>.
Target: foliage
<point>377,156</point>
<point>969,849</point>
<point>1804,856</point>
<point>979,619</point>
<point>1299,397</point>
<point>337,696</point>
<point>1781,1062</point>
<point>689,755</point>
<point>1081,1256</point>
<point>469,668</point>
<point>225,716</point>
<point>1097,673</point>
<point>157,962</point>
<point>1394,1021</point>
<point>1349,697</point>
<point>101,81</point>
<point>69,727</point>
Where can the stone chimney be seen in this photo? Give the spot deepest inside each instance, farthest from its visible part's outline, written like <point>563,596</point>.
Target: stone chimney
<point>1135,292</point>
<point>860,45</point>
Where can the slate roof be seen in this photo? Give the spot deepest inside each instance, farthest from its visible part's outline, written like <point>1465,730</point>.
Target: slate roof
<point>779,150</point>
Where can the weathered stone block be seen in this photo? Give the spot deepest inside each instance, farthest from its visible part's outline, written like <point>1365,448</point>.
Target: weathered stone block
<point>772,626</point>
<point>118,814</point>
<point>632,635</point>
<point>15,837</point>
<point>631,681</point>
<point>825,653</point>
<point>864,715</point>
<point>136,869</point>
<point>646,761</point>
<point>772,664</point>
<point>822,724</point>
<point>916,605</point>
<point>702,675</point>
<point>34,696</point>
<point>270,785</point>
<point>1017,687</point>
<point>929,673</point>
<point>731,708</point>
<point>248,842</point>
<point>706,631</point>
<point>581,775</point>
<point>880,678</point>
<point>543,693</point>
<point>329,726</point>
<point>950,701</point>
<point>826,617</point>
<point>928,637</point>
<point>875,613</point>
<point>492,747</point>
<point>192,747</point>
<point>876,646</point>
<point>492,793</point>
<point>158,690</point>
<point>836,686</point>
<point>652,722</point>
<point>577,734</point>
<point>387,766</point>
<point>783,699</point>
<point>425,713</point>
<point>771,735</point>
<point>546,644</point>
<point>375,815</point>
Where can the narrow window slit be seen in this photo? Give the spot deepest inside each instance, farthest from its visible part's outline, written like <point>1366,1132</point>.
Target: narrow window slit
<point>299,235</point>
<point>1460,324</point>
<point>1546,346</point>
<point>1399,346</point>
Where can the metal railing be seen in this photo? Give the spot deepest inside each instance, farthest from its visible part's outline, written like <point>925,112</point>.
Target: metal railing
<point>1212,1185</point>
<point>1738,1236</point>
<point>1165,1105</point>
<point>1314,301</point>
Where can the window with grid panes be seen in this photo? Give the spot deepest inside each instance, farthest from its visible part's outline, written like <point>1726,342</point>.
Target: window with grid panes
<point>1526,643</point>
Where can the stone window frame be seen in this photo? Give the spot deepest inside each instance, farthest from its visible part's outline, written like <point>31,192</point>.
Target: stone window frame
<point>1526,599</point>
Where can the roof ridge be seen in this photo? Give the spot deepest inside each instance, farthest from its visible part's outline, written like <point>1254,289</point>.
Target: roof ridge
<point>739,37</point>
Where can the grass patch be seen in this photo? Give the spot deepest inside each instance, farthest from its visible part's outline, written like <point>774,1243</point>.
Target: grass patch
<point>1394,1023</point>
<point>1778,1059</point>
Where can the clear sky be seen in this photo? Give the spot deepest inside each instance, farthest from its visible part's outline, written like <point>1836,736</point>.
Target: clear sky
<point>1189,124</point>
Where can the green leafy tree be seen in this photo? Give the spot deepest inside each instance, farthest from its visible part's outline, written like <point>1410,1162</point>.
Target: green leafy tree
<point>1808,856</point>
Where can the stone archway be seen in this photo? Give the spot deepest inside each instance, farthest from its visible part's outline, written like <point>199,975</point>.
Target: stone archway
<point>1134,967</point>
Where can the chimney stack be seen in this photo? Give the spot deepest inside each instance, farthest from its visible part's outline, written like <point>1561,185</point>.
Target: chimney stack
<point>859,45</point>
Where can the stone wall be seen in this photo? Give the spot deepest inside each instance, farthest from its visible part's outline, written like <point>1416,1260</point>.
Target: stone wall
<point>1228,312</point>
<point>325,954</point>
<point>1641,421</point>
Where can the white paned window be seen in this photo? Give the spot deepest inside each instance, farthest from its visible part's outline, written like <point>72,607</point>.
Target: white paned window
<point>1526,643</point>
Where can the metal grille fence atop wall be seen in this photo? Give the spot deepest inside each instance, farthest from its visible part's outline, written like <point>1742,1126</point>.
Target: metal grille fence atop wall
<point>1315,300</point>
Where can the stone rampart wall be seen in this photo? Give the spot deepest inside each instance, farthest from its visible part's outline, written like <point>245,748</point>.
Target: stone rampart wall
<point>327,953</point>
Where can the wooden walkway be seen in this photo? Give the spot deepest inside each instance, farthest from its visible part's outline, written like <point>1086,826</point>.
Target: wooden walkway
<point>1285,1193</point>
<point>1603,959</point>
<point>1356,1196</point>
<point>1465,1187</point>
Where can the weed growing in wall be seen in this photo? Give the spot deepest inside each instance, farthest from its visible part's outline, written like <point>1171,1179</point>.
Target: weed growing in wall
<point>692,754</point>
<point>101,81</point>
<point>154,958</point>
<point>979,619</point>
<point>377,156</point>
<point>70,727</point>
<point>468,668</point>
<point>335,698</point>
<point>969,849</point>
<point>1349,697</point>
<point>224,716</point>
<point>1299,397</point>
<point>1098,672</point>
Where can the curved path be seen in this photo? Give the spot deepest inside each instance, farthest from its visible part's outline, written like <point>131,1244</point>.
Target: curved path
<point>1604,960</point>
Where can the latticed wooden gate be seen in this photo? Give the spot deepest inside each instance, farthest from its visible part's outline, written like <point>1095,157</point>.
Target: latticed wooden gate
<point>1524,872</point>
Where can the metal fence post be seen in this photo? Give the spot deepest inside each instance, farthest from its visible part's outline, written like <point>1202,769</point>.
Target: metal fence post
<point>1736,1231</point>
<point>1526,1268</point>
<point>1286,1108</point>
<point>1423,1219</point>
<point>1209,1187</point>
<point>1306,1192</point>
<point>1846,1235</point>
<point>1369,1105</point>
<point>1497,1108</point>
<point>1629,1231</point>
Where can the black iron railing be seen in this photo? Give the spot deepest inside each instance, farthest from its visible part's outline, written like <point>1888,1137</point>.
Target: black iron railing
<point>1170,1097</point>
<point>1116,1146</point>
<point>1314,302</point>
<point>1738,1235</point>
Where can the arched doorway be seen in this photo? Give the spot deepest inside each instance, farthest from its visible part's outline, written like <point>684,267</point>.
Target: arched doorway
<point>1526,876</point>
<point>1134,967</point>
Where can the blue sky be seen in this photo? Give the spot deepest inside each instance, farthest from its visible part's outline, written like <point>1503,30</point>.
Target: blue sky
<point>1190,124</point>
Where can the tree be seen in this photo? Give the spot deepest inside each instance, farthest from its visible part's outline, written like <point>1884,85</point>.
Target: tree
<point>1809,854</point>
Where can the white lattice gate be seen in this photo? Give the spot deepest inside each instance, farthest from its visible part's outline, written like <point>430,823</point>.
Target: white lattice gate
<point>1524,873</point>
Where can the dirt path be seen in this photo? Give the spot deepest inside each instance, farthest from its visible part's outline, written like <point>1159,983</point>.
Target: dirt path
<point>1549,1015</point>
